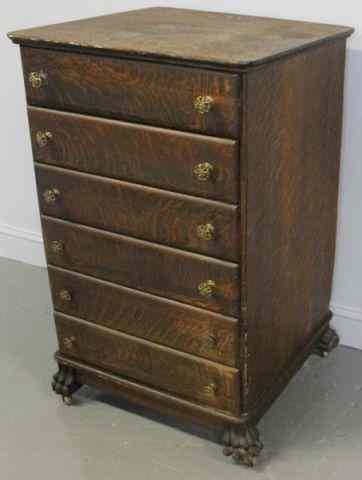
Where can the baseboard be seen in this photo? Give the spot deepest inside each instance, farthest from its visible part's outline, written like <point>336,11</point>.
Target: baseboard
<point>27,246</point>
<point>348,322</point>
<point>23,245</point>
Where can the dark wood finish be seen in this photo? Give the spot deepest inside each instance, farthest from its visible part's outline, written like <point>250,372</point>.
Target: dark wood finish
<point>294,110</point>
<point>278,384</point>
<point>174,406</point>
<point>137,153</point>
<point>149,397</point>
<point>159,320</point>
<point>143,265</point>
<point>183,374</point>
<point>65,383</point>
<point>130,316</point>
<point>328,342</point>
<point>143,92</point>
<point>139,211</point>
<point>243,444</point>
<point>185,35</point>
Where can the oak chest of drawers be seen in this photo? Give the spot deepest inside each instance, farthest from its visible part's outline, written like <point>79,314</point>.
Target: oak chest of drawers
<point>187,171</point>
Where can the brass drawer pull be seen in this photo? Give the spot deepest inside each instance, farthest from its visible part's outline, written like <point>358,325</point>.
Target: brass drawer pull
<point>65,295</point>
<point>207,288</point>
<point>211,389</point>
<point>68,342</point>
<point>37,79</point>
<point>206,231</point>
<point>203,171</point>
<point>57,247</point>
<point>42,138</point>
<point>203,104</point>
<point>211,341</point>
<point>51,195</point>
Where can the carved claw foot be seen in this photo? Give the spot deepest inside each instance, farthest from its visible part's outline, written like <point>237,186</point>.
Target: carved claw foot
<point>327,343</point>
<point>243,445</point>
<point>64,383</point>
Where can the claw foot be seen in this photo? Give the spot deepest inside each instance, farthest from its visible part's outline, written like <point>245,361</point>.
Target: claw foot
<point>327,343</point>
<point>68,400</point>
<point>243,445</point>
<point>64,383</point>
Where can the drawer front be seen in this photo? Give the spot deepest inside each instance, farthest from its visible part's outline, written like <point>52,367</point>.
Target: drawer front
<point>186,162</point>
<point>191,377</point>
<point>139,91</point>
<point>164,271</point>
<point>178,220</point>
<point>176,325</point>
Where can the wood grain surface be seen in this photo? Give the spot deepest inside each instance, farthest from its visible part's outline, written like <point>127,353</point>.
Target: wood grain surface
<point>142,212</point>
<point>138,91</point>
<point>116,102</point>
<point>143,265</point>
<point>151,398</point>
<point>191,377</point>
<point>170,323</point>
<point>185,35</point>
<point>137,153</point>
<point>295,111</point>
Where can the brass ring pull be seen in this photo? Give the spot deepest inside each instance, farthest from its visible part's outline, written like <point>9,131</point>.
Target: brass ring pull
<point>68,342</point>
<point>211,389</point>
<point>211,341</point>
<point>51,195</point>
<point>42,138</point>
<point>206,231</point>
<point>203,104</point>
<point>207,288</point>
<point>57,247</point>
<point>37,79</point>
<point>203,171</point>
<point>65,295</point>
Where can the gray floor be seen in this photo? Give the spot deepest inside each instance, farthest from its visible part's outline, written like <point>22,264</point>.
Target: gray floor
<point>314,431</point>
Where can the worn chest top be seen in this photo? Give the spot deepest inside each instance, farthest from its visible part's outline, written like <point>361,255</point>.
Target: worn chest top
<point>186,35</point>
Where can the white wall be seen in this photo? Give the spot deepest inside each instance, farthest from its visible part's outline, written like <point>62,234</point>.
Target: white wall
<point>20,236</point>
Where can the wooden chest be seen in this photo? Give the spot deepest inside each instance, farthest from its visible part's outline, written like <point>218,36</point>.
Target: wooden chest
<point>187,171</point>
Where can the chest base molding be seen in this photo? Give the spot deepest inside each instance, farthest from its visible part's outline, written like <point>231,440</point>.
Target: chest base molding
<point>238,434</point>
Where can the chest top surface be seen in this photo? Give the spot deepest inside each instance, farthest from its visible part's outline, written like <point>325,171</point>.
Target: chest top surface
<point>185,35</point>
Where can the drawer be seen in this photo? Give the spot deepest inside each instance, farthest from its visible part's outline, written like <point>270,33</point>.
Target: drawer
<point>139,91</point>
<point>176,325</point>
<point>168,272</point>
<point>186,162</point>
<point>191,377</point>
<point>191,223</point>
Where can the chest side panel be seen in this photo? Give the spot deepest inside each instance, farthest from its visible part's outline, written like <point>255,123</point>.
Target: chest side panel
<point>293,133</point>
